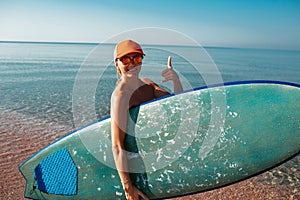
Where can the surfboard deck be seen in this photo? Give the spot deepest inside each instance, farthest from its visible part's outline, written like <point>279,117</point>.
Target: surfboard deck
<point>181,144</point>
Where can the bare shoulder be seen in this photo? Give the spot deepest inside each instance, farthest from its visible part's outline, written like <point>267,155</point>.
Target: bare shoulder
<point>158,91</point>
<point>120,92</point>
<point>147,81</point>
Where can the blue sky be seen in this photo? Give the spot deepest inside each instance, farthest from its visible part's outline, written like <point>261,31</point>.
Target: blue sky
<point>229,23</point>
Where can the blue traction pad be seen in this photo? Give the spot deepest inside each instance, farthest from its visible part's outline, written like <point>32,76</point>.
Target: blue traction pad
<point>57,174</point>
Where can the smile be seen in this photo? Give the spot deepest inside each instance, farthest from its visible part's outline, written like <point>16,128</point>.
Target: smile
<point>132,70</point>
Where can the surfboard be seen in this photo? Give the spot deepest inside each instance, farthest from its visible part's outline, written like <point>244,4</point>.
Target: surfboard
<point>181,144</point>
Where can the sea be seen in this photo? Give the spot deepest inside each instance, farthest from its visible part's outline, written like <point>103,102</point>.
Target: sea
<point>41,84</point>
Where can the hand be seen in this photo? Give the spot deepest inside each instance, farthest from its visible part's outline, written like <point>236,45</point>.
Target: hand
<point>169,73</point>
<point>132,193</point>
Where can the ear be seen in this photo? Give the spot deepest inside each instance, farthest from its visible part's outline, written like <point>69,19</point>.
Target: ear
<point>118,69</point>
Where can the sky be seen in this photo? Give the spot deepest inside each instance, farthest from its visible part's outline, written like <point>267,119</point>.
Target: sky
<point>271,24</point>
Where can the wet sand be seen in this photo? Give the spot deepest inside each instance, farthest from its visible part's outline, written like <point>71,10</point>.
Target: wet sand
<point>22,135</point>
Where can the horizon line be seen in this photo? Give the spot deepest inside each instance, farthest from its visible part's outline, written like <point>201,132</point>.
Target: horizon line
<point>154,44</point>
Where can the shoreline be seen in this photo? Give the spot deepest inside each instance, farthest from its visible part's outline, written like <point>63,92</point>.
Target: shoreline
<point>22,135</point>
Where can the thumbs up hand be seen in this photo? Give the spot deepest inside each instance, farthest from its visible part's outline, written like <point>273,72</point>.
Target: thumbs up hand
<point>170,74</point>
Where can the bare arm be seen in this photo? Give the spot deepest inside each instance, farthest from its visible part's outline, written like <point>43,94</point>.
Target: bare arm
<point>119,117</point>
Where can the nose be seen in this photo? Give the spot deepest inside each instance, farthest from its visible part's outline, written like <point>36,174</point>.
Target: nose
<point>131,64</point>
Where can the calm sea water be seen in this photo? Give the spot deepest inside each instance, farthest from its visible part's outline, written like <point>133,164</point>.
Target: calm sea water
<point>38,79</point>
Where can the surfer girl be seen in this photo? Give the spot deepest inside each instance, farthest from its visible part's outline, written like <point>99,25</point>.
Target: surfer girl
<point>131,91</point>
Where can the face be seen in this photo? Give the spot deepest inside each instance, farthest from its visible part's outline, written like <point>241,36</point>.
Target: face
<point>129,64</point>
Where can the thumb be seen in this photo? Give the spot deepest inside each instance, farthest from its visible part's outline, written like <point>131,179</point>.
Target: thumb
<point>170,62</point>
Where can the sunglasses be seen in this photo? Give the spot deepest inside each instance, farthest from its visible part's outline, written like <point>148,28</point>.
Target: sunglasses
<point>136,59</point>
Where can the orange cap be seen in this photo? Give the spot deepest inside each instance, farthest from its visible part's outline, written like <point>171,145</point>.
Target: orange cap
<point>126,47</point>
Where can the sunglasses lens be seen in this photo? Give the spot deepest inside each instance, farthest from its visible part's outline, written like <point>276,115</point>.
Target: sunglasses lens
<point>125,60</point>
<point>137,59</point>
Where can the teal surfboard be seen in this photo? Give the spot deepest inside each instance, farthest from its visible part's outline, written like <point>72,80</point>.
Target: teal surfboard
<point>181,144</point>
